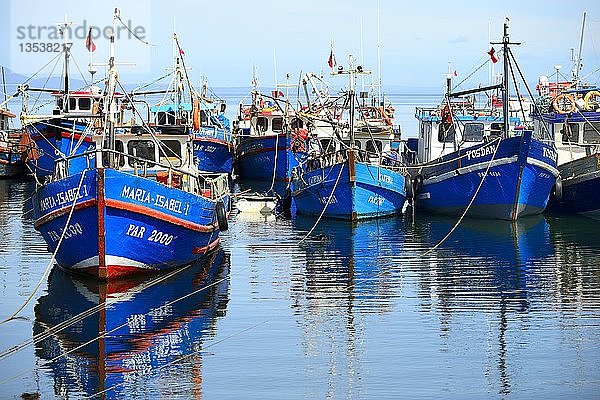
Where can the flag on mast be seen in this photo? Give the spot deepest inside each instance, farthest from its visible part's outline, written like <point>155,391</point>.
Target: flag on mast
<point>89,44</point>
<point>331,62</point>
<point>492,54</point>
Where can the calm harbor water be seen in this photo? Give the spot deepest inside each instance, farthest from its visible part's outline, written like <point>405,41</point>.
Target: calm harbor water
<point>364,311</point>
<point>355,312</point>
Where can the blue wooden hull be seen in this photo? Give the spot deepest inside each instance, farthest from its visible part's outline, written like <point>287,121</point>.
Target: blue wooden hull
<point>256,157</point>
<point>54,138</point>
<point>147,327</point>
<point>518,182</point>
<point>213,154</point>
<point>362,191</point>
<point>123,224</point>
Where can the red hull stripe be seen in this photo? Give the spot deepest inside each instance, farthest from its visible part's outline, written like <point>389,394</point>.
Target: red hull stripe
<point>122,205</point>
<point>62,211</point>
<point>202,250</point>
<point>63,134</point>
<point>212,140</point>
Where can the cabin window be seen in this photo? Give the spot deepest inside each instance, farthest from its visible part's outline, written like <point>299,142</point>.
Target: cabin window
<point>203,118</point>
<point>170,118</point>
<point>277,125</point>
<point>297,123</point>
<point>325,144</point>
<point>473,133</point>
<point>119,157</point>
<point>85,103</point>
<point>72,103</point>
<point>262,124</point>
<point>591,133</point>
<point>496,129</point>
<point>170,150</point>
<point>446,133</point>
<point>143,149</point>
<point>374,146</point>
<point>358,144</point>
<point>570,133</point>
<point>161,118</point>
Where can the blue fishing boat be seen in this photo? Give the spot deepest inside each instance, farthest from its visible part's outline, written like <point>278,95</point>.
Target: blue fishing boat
<point>482,162</point>
<point>270,139</point>
<point>67,129</point>
<point>139,204</point>
<point>12,151</point>
<point>213,144</point>
<point>346,180</point>
<point>99,338</point>
<point>569,112</point>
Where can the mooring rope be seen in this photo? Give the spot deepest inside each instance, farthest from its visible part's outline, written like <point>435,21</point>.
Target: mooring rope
<point>326,204</point>
<point>51,262</point>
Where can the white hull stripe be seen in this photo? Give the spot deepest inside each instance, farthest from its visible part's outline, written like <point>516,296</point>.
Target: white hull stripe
<point>110,260</point>
<point>581,178</point>
<point>495,163</point>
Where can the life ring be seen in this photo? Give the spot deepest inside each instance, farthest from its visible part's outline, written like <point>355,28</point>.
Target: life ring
<point>196,114</point>
<point>564,104</point>
<point>221,216</point>
<point>592,100</point>
<point>385,116</point>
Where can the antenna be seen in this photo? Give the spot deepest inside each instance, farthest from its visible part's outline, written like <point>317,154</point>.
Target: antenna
<point>378,48</point>
<point>576,77</point>
<point>275,68</point>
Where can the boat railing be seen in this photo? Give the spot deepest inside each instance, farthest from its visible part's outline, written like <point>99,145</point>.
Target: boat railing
<point>213,186</point>
<point>324,160</point>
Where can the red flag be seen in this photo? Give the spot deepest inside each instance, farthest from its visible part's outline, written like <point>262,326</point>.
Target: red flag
<point>455,73</point>
<point>331,60</point>
<point>276,93</point>
<point>88,42</point>
<point>182,52</point>
<point>492,54</point>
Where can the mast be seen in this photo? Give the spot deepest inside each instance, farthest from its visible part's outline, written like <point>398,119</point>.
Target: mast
<point>576,77</point>
<point>505,41</point>
<point>62,29</point>
<point>112,82</point>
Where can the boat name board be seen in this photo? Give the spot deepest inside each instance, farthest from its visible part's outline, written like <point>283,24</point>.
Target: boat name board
<point>61,198</point>
<point>156,236</point>
<point>208,148</point>
<point>71,231</point>
<point>480,152</point>
<point>386,178</point>
<point>144,196</point>
<point>549,153</point>
<point>377,200</point>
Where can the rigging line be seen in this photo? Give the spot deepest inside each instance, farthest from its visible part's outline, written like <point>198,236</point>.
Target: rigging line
<point>474,71</point>
<point>42,68</point>
<point>342,165</point>
<point>86,313</point>
<point>45,83</point>
<point>104,333</point>
<point>130,31</point>
<point>178,359</point>
<point>537,109</point>
<point>487,169</point>
<point>51,262</point>
<point>80,73</point>
<point>145,125</point>
<point>514,79</point>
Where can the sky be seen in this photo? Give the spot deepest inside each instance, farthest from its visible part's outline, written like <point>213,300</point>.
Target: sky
<point>225,40</point>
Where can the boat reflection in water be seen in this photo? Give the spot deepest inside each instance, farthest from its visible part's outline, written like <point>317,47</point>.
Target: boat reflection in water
<point>149,328</point>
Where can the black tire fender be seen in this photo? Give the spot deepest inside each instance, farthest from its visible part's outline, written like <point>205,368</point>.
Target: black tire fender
<point>557,189</point>
<point>221,216</point>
